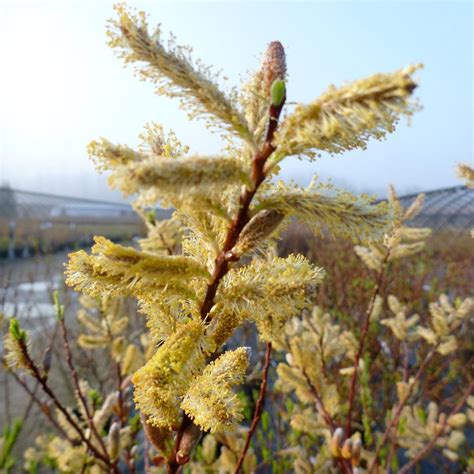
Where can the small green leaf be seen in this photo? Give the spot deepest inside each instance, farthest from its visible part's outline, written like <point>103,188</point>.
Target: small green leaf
<point>278,92</point>
<point>15,330</point>
<point>59,308</point>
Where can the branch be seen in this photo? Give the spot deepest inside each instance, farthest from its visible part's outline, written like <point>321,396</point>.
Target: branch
<point>46,388</point>
<point>402,403</point>
<point>326,415</point>
<point>77,386</point>
<point>258,176</point>
<point>225,256</point>
<point>362,339</point>
<point>258,408</point>
<point>44,408</point>
<point>319,402</point>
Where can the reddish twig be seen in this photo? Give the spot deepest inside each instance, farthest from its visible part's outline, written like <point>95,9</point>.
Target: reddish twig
<point>123,415</point>
<point>225,256</point>
<point>44,409</point>
<point>401,404</point>
<point>362,339</point>
<point>42,379</point>
<point>319,402</point>
<point>121,386</point>
<point>326,415</point>
<point>222,261</point>
<point>258,408</point>
<point>393,446</point>
<point>77,385</point>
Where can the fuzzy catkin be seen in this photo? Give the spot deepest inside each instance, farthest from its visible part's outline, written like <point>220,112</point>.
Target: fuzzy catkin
<point>274,64</point>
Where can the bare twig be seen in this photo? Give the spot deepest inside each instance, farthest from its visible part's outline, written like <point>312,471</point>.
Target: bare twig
<point>258,408</point>
<point>401,404</point>
<point>326,415</point>
<point>362,339</point>
<point>393,445</point>
<point>42,379</point>
<point>77,386</point>
<point>44,409</point>
<point>319,402</point>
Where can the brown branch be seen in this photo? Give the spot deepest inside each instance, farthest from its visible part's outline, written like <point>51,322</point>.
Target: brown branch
<point>319,402</point>
<point>35,372</point>
<point>121,386</point>
<point>393,446</point>
<point>222,261</point>
<point>258,408</point>
<point>401,404</point>
<point>326,415</point>
<point>77,386</point>
<point>44,409</point>
<point>430,446</point>
<point>362,339</point>
<point>123,415</point>
<point>225,256</point>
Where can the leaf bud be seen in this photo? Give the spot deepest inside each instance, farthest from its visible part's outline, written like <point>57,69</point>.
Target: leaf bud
<point>277,92</point>
<point>58,308</point>
<point>356,451</point>
<point>335,444</point>
<point>113,441</point>
<point>258,229</point>
<point>94,397</point>
<point>189,440</point>
<point>161,438</point>
<point>274,64</point>
<point>15,330</point>
<point>457,421</point>
<point>47,359</point>
<point>346,451</point>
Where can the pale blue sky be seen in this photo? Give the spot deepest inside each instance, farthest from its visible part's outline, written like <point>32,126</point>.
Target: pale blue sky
<point>61,86</point>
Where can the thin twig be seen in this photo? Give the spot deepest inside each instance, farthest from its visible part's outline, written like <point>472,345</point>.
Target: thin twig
<point>319,402</point>
<point>35,372</point>
<point>35,388</point>
<point>326,415</point>
<point>121,403</point>
<point>362,339</point>
<point>123,417</point>
<point>393,445</point>
<point>77,386</point>
<point>44,409</point>
<point>258,408</point>
<point>401,404</point>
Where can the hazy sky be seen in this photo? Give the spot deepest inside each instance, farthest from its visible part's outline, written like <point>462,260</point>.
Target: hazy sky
<point>61,86</point>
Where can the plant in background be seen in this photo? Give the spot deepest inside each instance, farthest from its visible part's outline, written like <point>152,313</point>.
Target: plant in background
<point>213,266</point>
<point>466,173</point>
<point>364,424</point>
